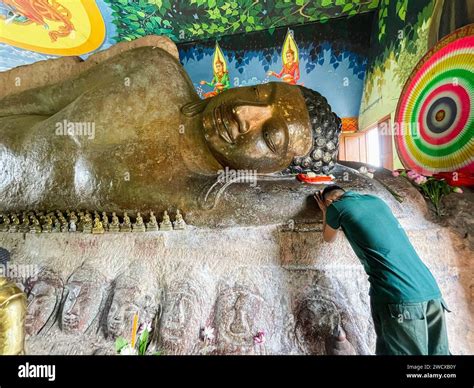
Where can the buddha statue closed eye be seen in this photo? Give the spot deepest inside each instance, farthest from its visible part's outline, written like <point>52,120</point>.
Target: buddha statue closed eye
<point>155,143</point>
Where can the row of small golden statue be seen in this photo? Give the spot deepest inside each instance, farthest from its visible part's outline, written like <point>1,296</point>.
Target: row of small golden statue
<point>55,222</point>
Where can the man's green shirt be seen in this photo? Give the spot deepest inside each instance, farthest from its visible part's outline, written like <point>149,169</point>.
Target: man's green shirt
<point>396,273</point>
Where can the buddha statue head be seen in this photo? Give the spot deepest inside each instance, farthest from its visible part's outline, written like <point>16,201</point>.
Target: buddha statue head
<point>182,318</point>
<point>264,127</point>
<point>82,298</point>
<point>241,313</point>
<point>129,298</point>
<point>44,295</point>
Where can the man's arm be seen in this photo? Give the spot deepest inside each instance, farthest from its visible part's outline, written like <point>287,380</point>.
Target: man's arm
<point>329,234</point>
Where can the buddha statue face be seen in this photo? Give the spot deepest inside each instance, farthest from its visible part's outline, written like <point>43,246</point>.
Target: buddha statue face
<point>181,320</point>
<point>240,314</point>
<point>82,298</point>
<point>128,301</point>
<point>44,295</point>
<point>260,127</point>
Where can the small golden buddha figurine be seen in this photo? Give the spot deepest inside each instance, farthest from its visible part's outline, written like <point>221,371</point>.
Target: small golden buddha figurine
<point>126,225</point>
<point>87,224</point>
<point>25,225</point>
<point>47,225</point>
<point>139,225</point>
<point>35,225</point>
<point>98,227</point>
<point>5,225</point>
<point>115,225</point>
<point>105,221</point>
<point>152,225</point>
<point>56,226</point>
<point>15,224</point>
<point>64,224</point>
<point>179,223</point>
<point>12,318</point>
<point>166,223</point>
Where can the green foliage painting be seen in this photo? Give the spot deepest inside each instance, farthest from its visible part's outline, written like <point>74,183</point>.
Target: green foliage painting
<point>201,19</point>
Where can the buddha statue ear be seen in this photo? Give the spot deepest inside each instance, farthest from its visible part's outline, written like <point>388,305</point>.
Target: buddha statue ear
<point>194,108</point>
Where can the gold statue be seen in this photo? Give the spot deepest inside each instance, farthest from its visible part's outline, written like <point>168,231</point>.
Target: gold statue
<point>15,225</point>
<point>25,225</point>
<point>115,225</point>
<point>98,227</point>
<point>48,224</point>
<point>179,223</point>
<point>166,223</point>
<point>138,226</point>
<point>12,318</point>
<point>35,225</point>
<point>5,226</point>
<point>126,225</point>
<point>105,221</point>
<point>184,141</point>
<point>87,224</point>
<point>152,225</point>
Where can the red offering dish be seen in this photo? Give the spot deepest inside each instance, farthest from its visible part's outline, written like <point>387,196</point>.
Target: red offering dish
<point>315,179</point>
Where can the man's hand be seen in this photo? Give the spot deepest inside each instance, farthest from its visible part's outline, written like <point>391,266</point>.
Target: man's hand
<point>320,201</point>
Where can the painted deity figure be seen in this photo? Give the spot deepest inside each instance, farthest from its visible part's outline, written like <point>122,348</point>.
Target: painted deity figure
<point>220,81</point>
<point>290,72</point>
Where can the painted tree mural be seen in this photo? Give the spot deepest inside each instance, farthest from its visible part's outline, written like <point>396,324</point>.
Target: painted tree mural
<point>199,19</point>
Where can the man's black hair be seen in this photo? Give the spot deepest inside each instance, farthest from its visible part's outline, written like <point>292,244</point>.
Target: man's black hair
<point>331,188</point>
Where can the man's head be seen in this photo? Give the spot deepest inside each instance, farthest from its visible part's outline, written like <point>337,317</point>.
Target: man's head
<point>332,193</point>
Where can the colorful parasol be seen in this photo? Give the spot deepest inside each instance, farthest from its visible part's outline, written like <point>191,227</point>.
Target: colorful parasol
<point>435,113</point>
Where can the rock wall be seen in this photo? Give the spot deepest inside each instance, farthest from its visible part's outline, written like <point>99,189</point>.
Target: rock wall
<point>264,290</point>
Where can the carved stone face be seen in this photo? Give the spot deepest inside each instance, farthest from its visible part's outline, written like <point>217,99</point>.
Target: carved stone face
<point>260,127</point>
<point>82,298</point>
<point>126,302</point>
<point>44,296</point>
<point>240,315</point>
<point>181,321</point>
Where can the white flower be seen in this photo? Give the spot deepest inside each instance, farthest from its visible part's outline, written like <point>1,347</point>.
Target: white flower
<point>128,351</point>
<point>144,326</point>
<point>208,333</point>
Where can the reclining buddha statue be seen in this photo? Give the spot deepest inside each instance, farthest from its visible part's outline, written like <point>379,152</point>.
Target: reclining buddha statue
<point>130,133</point>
